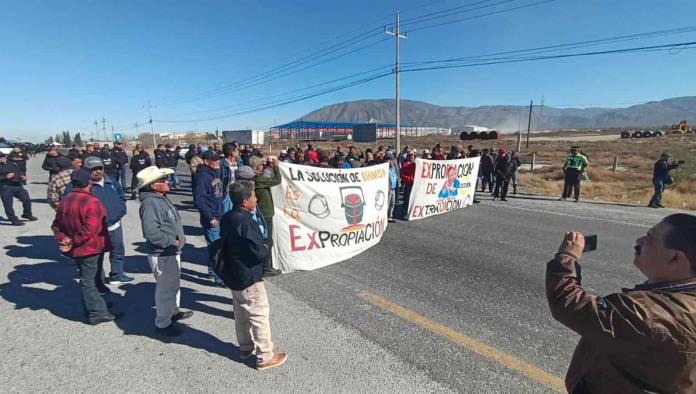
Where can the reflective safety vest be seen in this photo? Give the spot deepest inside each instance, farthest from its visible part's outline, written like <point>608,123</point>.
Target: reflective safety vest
<point>576,161</point>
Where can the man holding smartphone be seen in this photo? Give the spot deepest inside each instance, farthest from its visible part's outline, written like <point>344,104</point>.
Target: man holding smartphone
<point>641,339</point>
<point>661,178</point>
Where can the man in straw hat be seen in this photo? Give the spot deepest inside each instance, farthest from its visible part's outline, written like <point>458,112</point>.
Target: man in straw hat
<point>164,236</point>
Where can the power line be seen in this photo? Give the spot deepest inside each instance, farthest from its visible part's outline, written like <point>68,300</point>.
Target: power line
<point>684,45</point>
<point>263,77</point>
<point>482,15</point>
<point>290,68</point>
<point>664,47</point>
<point>278,104</point>
<point>457,10</point>
<point>573,45</point>
<point>295,91</point>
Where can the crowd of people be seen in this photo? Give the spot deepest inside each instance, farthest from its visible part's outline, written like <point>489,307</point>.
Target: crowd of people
<point>231,188</point>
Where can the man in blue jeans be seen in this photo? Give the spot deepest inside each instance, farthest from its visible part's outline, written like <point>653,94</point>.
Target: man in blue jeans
<point>661,178</point>
<point>110,194</point>
<point>208,198</point>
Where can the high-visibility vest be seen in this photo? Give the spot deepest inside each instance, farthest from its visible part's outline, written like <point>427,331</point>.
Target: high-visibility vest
<point>576,161</point>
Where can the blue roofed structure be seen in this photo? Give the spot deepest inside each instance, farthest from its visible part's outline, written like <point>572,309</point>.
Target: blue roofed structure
<point>319,130</point>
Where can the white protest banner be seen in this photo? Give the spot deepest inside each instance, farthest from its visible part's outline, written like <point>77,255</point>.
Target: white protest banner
<point>441,186</point>
<point>326,215</point>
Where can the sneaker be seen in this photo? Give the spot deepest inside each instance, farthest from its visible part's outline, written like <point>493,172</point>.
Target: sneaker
<point>391,221</point>
<point>30,217</point>
<point>181,316</point>
<point>118,279</point>
<point>277,360</point>
<point>503,199</point>
<point>577,199</point>
<point>476,201</point>
<point>16,222</point>
<point>244,354</point>
<point>271,272</point>
<point>171,330</point>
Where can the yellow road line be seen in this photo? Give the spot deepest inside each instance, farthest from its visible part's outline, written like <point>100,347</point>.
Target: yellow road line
<point>475,346</point>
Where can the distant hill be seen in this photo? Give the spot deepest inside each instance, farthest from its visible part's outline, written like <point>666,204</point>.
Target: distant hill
<point>507,118</point>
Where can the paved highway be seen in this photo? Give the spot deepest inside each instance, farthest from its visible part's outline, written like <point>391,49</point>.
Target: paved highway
<point>449,303</point>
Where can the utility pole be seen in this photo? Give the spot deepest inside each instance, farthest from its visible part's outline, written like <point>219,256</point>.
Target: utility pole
<point>396,32</point>
<point>137,129</point>
<point>96,130</point>
<point>519,133</point>
<point>112,132</point>
<point>103,122</point>
<point>152,129</point>
<point>529,123</point>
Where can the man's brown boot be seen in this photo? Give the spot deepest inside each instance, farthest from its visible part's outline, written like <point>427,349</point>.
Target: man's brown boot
<point>278,359</point>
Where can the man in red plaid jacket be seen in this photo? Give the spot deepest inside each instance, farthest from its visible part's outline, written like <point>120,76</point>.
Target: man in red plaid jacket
<point>80,229</point>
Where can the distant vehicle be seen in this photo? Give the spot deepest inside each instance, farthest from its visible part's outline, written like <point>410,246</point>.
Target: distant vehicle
<point>182,153</point>
<point>681,128</point>
<point>5,148</point>
<point>244,137</point>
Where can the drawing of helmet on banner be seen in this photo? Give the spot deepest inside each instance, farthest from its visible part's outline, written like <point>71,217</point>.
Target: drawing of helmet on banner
<point>353,202</point>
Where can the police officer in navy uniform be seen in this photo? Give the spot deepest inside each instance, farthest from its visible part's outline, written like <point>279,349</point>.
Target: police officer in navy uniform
<point>110,165</point>
<point>11,179</point>
<point>139,161</point>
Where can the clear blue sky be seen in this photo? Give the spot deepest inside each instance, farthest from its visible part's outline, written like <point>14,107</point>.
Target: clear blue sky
<point>64,64</point>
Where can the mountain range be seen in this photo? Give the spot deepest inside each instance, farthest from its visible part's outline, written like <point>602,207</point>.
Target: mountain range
<point>508,118</point>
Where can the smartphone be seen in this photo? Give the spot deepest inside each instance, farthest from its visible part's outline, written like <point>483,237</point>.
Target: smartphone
<point>590,243</point>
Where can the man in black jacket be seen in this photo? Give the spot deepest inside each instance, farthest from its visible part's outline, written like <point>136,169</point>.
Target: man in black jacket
<point>121,159</point>
<point>661,178</point>
<point>140,161</point>
<point>51,164</point>
<point>504,168</point>
<point>243,254</point>
<point>110,165</point>
<point>19,157</point>
<point>160,156</point>
<point>11,179</point>
<point>172,156</point>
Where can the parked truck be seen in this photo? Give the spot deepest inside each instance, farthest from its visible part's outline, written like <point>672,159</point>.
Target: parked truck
<point>244,137</point>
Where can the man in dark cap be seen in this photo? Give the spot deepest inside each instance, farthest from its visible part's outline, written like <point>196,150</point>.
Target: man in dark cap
<point>573,168</point>
<point>661,178</point>
<point>80,229</point>
<point>208,199</point>
<point>110,193</point>
<point>11,179</point>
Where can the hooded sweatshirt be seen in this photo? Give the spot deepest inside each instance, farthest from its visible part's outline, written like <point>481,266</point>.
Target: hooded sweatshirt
<point>161,224</point>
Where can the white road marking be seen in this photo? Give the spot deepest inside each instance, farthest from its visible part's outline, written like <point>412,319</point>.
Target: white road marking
<point>566,214</point>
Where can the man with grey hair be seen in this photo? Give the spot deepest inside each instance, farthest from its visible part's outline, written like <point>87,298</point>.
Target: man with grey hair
<point>240,266</point>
